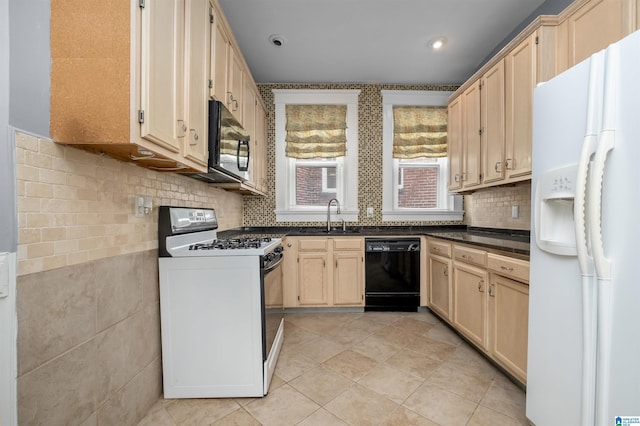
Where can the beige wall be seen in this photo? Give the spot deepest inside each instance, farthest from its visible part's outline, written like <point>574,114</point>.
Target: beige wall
<point>87,288</point>
<point>485,208</point>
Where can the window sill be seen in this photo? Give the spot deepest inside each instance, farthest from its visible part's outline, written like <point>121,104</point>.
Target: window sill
<point>315,215</point>
<point>414,216</point>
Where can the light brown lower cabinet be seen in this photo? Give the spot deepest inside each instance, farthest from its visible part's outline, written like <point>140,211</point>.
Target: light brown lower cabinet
<point>485,297</point>
<point>440,289</point>
<point>324,272</point>
<point>509,322</point>
<point>470,302</point>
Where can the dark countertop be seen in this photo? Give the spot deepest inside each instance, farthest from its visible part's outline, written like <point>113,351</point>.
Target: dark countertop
<point>514,241</point>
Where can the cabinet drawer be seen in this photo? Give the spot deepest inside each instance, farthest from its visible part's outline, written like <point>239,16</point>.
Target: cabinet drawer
<point>318,244</point>
<point>440,248</point>
<point>470,255</point>
<point>348,243</point>
<point>509,267</point>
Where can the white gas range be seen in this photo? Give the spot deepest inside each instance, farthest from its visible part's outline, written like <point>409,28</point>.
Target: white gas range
<point>221,307</point>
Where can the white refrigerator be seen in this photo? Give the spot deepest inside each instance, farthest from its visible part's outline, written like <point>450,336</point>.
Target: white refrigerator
<point>584,300</point>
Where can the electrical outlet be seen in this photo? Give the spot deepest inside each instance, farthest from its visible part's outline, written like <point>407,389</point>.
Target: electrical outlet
<point>515,212</point>
<point>369,212</point>
<point>142,205</point>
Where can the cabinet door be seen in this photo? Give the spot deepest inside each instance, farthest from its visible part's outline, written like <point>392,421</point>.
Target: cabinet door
<point>471,144</point>
<point>162,74</point>
<point>220,61</point>
<point>439,285</point>
<point>289,272</point>
<point>249,107</point>
<point>509,309</point>
<point>260,157</point>
<point>198,36</point>
<point>470,302</point>
<point>312,279</point>
<point>454,143</point>
<point>348,279</point>
<point>235,86</point>
<point>492,114</point>
<point>595,26</point>
<point>520,81</point>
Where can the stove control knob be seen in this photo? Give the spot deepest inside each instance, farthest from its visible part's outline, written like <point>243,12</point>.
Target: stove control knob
<point>278,249</point>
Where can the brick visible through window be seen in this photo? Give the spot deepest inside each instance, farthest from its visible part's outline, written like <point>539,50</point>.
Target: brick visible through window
<point>419,188</point>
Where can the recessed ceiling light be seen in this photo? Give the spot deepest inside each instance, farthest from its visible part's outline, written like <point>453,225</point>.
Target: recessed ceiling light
<point>277,40</point>
<point>437,43</point>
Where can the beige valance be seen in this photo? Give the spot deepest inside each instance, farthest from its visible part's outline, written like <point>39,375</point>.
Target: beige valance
<point>316,131</point>
<point>419,131</point>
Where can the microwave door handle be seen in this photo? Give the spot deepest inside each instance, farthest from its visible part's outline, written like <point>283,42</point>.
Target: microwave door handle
<point>243,168</point>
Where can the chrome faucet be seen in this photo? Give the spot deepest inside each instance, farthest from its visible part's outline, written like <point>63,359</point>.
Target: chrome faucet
<point>329,212</point>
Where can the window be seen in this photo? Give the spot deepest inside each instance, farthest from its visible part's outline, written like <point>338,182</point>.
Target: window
<point>414,189</point>
<point>306,185</point>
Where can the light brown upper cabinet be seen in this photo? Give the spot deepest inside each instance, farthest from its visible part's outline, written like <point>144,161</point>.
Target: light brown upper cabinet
<point>521,79</point>
<point>471,138</point>
<point>595,24</point>
<point>141,97</point>
<point>454,143</point>
<point>492,117</point>
<point>501,107</point>
<point>220,51</point>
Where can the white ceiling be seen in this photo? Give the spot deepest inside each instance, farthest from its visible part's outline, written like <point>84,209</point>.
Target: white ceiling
<point>371,41</point>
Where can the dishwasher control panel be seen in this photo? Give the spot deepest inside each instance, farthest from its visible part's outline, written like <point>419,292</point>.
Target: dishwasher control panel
<point>392,244</point>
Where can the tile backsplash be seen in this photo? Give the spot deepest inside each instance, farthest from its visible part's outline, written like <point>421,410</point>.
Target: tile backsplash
<point>491,207</point>
<point>75,206</point>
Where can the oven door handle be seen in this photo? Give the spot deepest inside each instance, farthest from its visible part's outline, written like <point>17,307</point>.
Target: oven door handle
<point>274,265</point>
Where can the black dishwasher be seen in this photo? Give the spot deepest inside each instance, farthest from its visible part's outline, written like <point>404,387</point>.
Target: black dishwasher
<point>392,274</point>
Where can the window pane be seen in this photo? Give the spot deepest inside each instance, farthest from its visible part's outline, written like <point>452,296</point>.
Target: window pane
<point>309,185</point>
<point>419,188</point>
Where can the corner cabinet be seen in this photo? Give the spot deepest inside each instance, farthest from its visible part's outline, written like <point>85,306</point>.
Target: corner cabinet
<point>143,99</point>
<point>328,272</point>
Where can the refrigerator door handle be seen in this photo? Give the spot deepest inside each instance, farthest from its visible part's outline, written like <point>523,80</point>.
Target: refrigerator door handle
<point>606,143</point>
<point>589,290</point>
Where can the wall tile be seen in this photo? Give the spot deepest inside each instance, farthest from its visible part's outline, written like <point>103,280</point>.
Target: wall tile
<point>61,392</point>
<point>118,288</point>
<point>120,355</point>
<point>131,403</point>
<point>56,311</point>
<point>151,333</point>
<point>151,282</point>
<point>491,207</point>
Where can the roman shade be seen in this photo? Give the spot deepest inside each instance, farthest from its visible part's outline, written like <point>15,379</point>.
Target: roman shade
<point>316,131</point>
<point>419,131</point>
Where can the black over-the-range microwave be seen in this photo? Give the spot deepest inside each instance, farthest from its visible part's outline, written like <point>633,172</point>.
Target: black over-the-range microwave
<point>229,152</point>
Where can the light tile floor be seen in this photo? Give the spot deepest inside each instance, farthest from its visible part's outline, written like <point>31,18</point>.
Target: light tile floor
<point>373,368</point>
